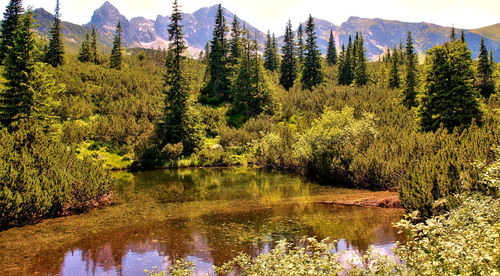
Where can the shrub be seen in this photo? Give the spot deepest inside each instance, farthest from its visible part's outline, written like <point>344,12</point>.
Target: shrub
<point>40,177</point>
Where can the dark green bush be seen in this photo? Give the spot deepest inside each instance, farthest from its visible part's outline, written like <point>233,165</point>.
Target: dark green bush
<point>39,178</point>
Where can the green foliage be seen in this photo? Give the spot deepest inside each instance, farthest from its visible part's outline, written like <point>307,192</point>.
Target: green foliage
<point>289,68</point>
<point>271,58</point>
<point>331,55</point>
<point>10,23</point>
<point>312,74</point>
<point>252,89</point>
<point>411,61</point>
<point>300,45</point>
<point>41,178</point>
<point>219,84</point>
<point>116,53</point>
<point>450,98</point>
<point>485,83</point>
<point>360,70</point>
<point>326,149</point>
<point>84,55</point>
<point>394,78</point>
<point>55,52</point>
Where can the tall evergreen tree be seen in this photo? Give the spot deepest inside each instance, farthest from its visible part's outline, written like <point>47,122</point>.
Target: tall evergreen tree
<point>300,45</point>
<point>484,83</point>
<point>344,67</point>
<point>312,74</point>
<point>10,23</point>
<point>394,79</point>
<point>116,52</point>
<point>462,37</point>
<point>252,88</point>
<point>17,100</point>
<point>84,55</point>
<point>55,52</point>
<point>331,56</point>
<point>450,98</point>
<point>289,69</point>
<point>453,35</point>
<point>409,90</point>
<point>235,43</point>
<point>349,63</point>
<point>271,60</point>
<point>94,56</point>
<point>219,84</point>
<point>175,122</point>
<point>360,72</point>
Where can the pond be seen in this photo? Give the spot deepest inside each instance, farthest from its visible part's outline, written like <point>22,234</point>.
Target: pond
<point>207,216</point>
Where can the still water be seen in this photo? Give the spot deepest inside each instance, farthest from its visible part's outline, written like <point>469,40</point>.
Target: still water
<point>206,216</point>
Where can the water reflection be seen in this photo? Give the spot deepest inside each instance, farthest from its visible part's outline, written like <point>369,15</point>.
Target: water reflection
<point>214,238</point>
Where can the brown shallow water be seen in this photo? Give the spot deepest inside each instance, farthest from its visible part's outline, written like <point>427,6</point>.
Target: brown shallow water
<point>205,216</point>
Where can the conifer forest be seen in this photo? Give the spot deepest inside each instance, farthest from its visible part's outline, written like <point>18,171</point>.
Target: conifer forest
<point>291,153</point>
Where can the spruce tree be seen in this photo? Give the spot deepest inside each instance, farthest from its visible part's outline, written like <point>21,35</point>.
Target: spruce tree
<point>300,45</point>
<point>450,98</point>
<point>10,23</point>
<point>331,56</point>
<point>176,119</point>
<point>17,100</point>
<point>94,56</point>
<point>409,90</point>
<point>84,55</point>
<point>55,52</point>
<point>116,53</point>
<point>394,79</point>
<point>289,69</point>
<point>219,84</point>
<point>349,69</point>
<point>343,75</point>
<point>462,37</point>
<point>453,35</point>
<point>271,60</point>
<point>484,83</point>
<point>252,87</point>
<point>235,43</point>
<point>312,74</point>
<point>360,72</point>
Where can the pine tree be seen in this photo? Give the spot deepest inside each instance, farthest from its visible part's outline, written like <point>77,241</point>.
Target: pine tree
<point>331,56</point>
<point>235,43</point>
<point>84,55</point>
<point>175,124</point>
<point>360,72</point>
<point>252,87</point>
<point>17,100</point>
<point>484,83</point>
<point>271,60</point>
<point>453,36</point>
<point>219,84</point>
<point>394,79</point>
<point>289,69</point>
<point>94,56</point>
<point>300,45</point>
<point>116,53</point>
<point>10,23</point>
<point>409,92</point>
<point>55,52</point>
<point>349,69</point>
<point>343,75</point>
<point>312,74</point>
<point>462,37</point>
<point>450,98</point>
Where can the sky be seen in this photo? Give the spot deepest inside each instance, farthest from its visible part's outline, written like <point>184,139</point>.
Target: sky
<point>273,14</point>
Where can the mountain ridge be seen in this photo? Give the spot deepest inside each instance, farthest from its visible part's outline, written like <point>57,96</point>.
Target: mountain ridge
<point>379,33</point>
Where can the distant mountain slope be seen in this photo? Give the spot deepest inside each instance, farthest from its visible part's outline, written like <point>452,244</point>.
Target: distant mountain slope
<point>378,33</point>
<point>492,32</point>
